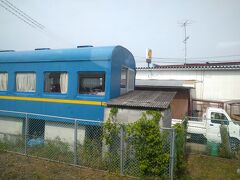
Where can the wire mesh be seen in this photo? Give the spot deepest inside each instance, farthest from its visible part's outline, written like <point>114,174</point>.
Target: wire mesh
<point>78,142</point>
<point>12,136</point>
<point>213,137</point>
<point>51,138</point>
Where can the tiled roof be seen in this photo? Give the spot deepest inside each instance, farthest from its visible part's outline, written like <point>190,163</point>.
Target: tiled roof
<point>198,66</point>
<point>139,99</point>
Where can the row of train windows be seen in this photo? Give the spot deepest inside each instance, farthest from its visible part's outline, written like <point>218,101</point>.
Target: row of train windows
<point>56,82</point>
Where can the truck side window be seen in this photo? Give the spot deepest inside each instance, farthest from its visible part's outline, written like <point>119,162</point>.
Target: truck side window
<point>219,118</point>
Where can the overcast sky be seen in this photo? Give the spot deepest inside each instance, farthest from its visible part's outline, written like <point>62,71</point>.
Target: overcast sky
<point>134,24</point>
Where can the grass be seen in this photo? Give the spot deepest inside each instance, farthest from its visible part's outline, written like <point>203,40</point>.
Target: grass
<point>208,167</point>
<point>14,166</point>
<point>53,149</point>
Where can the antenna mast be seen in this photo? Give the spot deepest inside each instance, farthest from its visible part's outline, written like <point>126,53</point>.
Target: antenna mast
<point>184,25</point>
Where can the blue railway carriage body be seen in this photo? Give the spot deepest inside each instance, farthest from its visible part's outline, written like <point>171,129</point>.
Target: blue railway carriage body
<point>74,83</point>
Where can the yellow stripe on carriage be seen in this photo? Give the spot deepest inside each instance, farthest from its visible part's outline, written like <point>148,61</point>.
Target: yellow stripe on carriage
<point>68,101</point>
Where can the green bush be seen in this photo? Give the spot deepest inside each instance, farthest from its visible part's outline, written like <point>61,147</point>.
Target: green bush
<point>12,143</point>
<point>110,127</point>
<point>180,160</point>
<point>90,154</point>
<point>53,149</point>
<point>225,145</point>
<point>149,144</point>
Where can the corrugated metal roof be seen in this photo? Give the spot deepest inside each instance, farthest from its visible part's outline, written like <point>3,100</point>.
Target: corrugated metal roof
<point>205,66</point>
<point>139,99</point>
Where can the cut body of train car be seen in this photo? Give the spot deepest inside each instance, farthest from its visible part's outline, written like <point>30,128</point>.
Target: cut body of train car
<point>73,83</point>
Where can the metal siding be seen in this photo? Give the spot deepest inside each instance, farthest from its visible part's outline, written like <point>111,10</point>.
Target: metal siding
<point>88,112</point>
<point>91,112</point>
<point>71,61</point>
<point>77,54</point>
<point>121,57</point>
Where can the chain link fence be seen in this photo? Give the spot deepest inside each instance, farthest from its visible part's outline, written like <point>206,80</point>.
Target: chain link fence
<point>214,137</point>
<point>78,142</point>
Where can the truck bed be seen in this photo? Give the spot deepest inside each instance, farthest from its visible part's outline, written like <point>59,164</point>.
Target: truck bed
<point>194,127</point>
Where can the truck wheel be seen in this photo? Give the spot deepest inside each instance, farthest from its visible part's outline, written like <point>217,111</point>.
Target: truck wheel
<point>234,144</point>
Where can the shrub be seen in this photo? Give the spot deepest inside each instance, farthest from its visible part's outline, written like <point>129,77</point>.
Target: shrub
<point>12,143</point>
<point>53,149</point>
<point>90,154</point>
<point>149,144</point>
<point>180,160</point>
<point>224,146</point>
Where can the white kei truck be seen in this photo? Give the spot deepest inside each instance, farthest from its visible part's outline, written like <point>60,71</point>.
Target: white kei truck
<point>208,127</point>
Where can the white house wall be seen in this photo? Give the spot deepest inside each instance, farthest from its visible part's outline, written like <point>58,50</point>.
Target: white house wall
<point>11,126</point>
<point>126,116</point>
<point>64,131</point>
<point>219,85</point>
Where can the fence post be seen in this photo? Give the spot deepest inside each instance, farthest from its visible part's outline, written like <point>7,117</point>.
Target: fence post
<point>172,155</point>
<point>121,151</point>
<point>26,134</point>
<point>75,142</point>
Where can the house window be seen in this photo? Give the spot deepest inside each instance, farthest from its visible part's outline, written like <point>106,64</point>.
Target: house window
<point>3,81</point>
<point>25,82</point>
<point>56,82</point>
<point>92,83</point>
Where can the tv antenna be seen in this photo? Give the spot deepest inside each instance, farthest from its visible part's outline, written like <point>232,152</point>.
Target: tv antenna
<point>186,38</point>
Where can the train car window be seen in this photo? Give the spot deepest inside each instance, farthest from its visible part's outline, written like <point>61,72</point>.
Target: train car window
<point>130,79</point>
<point>56,82</point>
<point>123,80</point>
<point>92,83</point>
<point>25,82</point>
<point>127,80</point>
<point>3,81</point>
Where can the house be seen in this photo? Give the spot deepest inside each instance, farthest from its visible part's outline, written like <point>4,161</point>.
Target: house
<point>204,84</point>
<point>131,105</point>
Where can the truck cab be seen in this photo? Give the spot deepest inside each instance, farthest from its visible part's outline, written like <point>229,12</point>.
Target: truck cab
<point>214,118</point>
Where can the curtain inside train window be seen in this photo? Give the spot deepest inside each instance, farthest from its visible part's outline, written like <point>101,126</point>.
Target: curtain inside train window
<point>3,81</point>
<point>56,82</point>
<point>92,83</point>
<point>25,82</point>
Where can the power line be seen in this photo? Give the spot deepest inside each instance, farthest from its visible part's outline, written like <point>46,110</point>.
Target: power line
<point>29,20</point>
<point>210,57</point>
<point>23,15</point>
<point>179,61</point>
<point>22,19</point>
<point>192,58</point>
<point>39,24</point>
